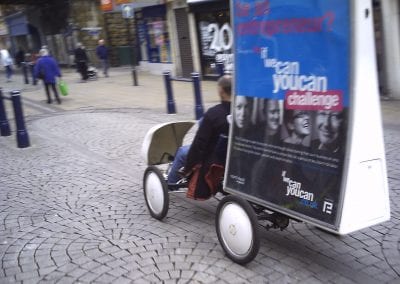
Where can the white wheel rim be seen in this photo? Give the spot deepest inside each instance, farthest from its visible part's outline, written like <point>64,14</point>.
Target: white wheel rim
<point>236,229</point>
<point>154,193</point>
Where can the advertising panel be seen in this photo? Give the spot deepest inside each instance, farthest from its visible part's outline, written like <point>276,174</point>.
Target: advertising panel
<point>291,105</point>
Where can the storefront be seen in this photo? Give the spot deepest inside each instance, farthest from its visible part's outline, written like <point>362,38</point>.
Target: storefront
<point>214,35</point>
<point>153,35</point>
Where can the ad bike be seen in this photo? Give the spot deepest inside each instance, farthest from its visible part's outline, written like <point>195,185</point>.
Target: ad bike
<point>307,71</point>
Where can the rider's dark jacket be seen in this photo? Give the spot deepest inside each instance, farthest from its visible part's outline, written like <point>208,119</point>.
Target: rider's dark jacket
<point>203,150</point>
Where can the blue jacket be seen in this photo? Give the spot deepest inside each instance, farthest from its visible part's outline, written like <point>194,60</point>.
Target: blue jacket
<point>102,52</point>
<point>49,66</point>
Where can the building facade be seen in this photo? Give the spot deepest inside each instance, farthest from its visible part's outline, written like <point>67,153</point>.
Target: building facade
<point>181,36</point>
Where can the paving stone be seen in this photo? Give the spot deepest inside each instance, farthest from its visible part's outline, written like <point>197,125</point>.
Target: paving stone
<point>165,266</point>
<point>134,275</point>
<point>149,269</point>
<point>182,265</point>
<point>122,280</point>
<point>105,278</point>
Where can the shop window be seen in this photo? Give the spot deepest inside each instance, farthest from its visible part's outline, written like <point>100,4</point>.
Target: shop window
<point>153,37</point>
<point>158,41</point>
<point>215,40</point>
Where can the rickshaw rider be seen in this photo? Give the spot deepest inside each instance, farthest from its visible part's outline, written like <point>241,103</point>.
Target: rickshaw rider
<point>205,150</point>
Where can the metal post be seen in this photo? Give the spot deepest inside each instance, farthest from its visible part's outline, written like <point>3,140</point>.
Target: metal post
<point>220,68</point>
<point>22,134</point>
<point>131,55</point>
<point>4,125</point>
<point>31,67</point>
<point>199,111</point>
<point>134,75</point>
<point>25,72</point>
<point>170,96</point>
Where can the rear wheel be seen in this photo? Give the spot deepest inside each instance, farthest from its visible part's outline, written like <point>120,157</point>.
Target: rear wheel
<point>237,229</point>
<point>155,191</point>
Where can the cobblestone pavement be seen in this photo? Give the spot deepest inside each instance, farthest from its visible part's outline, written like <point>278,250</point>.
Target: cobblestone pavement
<point>72,211</point>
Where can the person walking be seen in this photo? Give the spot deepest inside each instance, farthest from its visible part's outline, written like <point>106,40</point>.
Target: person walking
<point>102,54</point>
<point>46,68</point>
<point>81,60</point>
<point>7,62</point>
<point>20,57</point>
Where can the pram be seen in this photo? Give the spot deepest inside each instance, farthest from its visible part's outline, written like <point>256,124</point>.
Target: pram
<point>92,73</point>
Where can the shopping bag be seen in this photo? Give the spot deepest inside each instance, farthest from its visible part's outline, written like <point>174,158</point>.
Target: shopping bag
<point>63,88</point>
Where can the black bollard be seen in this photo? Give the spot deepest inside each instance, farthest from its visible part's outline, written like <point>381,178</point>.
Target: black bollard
<point>31,67</point>
<point>170,96</point>
<point>22,134</point>
<point>134,76</point>
<point>4,125</point>
<point>220,68</point>
<point>199,111</point>
<point>25,72</point>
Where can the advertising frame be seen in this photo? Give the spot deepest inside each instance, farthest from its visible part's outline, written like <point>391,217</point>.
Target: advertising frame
<point>335,224</point>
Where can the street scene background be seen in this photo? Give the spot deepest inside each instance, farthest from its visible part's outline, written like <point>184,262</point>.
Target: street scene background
<point>72,207</point>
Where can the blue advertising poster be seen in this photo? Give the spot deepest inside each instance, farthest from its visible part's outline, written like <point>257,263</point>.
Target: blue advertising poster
<point>291,104</point>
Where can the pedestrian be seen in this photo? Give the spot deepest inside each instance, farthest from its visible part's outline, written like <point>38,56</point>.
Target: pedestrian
<point>102,54</point>
<point>7,62</point>
<point>47,69</point>
<point>20,57</point>
<point>81,61</point>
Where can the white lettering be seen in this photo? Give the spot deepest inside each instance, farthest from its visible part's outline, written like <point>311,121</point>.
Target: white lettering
<point>284,82</point>
<point>309,99</point>
<point>293,188</point>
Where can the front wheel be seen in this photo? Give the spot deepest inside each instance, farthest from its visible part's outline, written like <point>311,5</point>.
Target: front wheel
<point>237,229</point>
<point>155,191</point>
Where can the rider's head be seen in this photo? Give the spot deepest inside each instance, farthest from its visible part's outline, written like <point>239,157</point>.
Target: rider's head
<point>225,88</point>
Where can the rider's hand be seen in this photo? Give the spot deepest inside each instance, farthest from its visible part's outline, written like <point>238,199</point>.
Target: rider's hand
<point>183,172</point>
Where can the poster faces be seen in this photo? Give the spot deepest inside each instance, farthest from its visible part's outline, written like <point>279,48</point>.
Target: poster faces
<point>291,105</point>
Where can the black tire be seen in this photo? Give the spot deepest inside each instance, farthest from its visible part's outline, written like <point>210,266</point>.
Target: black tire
<point>155,191</point>
<point>238,246</point>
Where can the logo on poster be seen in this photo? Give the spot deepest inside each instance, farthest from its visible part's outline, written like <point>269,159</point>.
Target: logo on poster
<point>327,207</point>
<point>237,179</point>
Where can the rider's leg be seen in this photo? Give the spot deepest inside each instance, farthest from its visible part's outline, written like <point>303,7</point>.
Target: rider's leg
<point>179,162</point>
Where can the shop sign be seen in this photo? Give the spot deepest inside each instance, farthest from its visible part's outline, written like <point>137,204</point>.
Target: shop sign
<point>106,5</point>
<point>216,42</point>
<point>291,106</point>
<point>127,11</point>
<point>119,2</point>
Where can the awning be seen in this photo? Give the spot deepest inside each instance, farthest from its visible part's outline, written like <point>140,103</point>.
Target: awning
<point>204,6</point>
<point>194,2</point>
<point>17,24</point>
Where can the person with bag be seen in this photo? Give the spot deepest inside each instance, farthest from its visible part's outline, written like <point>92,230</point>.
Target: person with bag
<point>203,161</point>
<point>46,68</point>
<point>7,62</point>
